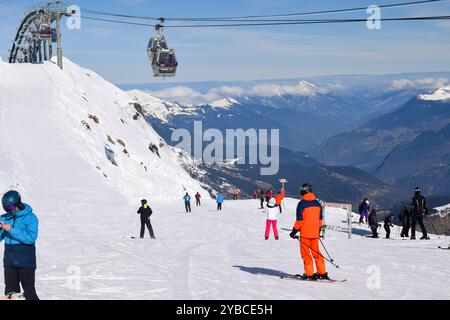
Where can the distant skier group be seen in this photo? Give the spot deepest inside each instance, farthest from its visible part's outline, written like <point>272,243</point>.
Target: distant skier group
<point>409,218</point>
<point>187,201</point>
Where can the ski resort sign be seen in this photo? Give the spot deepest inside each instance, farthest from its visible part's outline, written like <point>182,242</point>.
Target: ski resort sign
<point>236,146</point>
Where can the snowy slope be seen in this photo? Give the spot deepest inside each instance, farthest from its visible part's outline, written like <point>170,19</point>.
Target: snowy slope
<point>438,95</point>
<point>45,116</point>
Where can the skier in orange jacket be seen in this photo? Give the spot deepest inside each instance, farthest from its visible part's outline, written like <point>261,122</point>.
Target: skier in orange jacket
<point>309,222</point>
<point>278,199</point>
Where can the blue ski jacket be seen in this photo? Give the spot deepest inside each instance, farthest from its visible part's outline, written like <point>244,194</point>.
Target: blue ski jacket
<point>187,198</point>
<point>20,249</point>
<point>219,198</point>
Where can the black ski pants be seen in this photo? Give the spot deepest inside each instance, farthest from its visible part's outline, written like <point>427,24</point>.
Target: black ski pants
<point>374,231</point>
<point>418,219</point>
<point>147,223</point>
<point>14,277</point>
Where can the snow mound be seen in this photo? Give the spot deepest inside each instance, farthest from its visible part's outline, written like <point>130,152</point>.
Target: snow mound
<point>71,129</point>
<point>438,95</point>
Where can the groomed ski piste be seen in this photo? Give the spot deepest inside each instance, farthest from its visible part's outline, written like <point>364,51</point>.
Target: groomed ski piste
<point>87,210</point>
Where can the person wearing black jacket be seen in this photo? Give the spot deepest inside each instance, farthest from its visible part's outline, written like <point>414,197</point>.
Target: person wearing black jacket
<point>145,211</point>
<point>373,223</point>
<point>418,210</point>
<point>388,223</point>
<point>405,218</point>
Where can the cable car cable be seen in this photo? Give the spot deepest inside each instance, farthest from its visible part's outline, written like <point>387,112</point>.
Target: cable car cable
<point>298,22</point>
<point>219,19</point>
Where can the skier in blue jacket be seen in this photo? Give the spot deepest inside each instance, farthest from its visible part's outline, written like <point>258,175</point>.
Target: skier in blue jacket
<point>187,202</point>
<point>219,200</point>
<point>19,230</point>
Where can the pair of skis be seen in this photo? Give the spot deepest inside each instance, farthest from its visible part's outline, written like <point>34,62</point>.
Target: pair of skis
<point>299,277</point>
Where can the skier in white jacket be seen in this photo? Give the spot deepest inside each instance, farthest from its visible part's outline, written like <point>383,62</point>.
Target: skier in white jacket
<point>271,211</point>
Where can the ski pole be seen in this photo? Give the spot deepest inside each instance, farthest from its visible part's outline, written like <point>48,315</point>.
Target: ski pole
<point>298,238</point>
<point>435,229</point>
<point>326,250</point>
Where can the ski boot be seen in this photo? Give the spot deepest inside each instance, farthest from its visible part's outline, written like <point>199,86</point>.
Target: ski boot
<point>322,276</point>
<point>305,277</point>
<point>14,296</point>
<point>425,238</point>
<point>413,238</point>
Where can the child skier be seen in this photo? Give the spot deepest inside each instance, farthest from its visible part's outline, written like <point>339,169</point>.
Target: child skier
<point>388,223</point>
<point>405,218</point>
<point>373,223</point>
<point>271,211</point>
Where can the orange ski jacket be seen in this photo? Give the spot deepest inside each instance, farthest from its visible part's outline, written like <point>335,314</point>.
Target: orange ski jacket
<point>309,217</point>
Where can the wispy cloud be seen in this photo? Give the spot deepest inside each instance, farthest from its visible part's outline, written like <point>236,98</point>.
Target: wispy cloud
<point>426,83</point>
<point>185,95</point>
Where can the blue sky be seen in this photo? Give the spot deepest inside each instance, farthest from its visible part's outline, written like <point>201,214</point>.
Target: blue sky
<point>118,52</point>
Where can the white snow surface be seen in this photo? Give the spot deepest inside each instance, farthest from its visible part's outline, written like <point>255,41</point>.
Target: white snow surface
<point>210,255</point>
<point>85,249</point>
<point>438,95</point>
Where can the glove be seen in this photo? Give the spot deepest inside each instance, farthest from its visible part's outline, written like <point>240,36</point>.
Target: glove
<point>293,234</point>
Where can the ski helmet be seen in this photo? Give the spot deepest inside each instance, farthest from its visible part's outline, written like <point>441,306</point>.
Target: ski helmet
<point>11,200</point>
<point>417,190</point>
<point>306,188</point>
<point>144,201</point>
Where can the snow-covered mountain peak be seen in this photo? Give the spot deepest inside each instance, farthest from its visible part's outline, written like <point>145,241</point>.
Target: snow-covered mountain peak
<point>73,130</point>
<point>438,95</point>
<point>224,103</point>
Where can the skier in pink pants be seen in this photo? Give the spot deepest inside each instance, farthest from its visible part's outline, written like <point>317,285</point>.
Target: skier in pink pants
<point>271,211</point>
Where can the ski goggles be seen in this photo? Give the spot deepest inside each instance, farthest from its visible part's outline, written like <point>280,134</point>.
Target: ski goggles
<point>9,208</point>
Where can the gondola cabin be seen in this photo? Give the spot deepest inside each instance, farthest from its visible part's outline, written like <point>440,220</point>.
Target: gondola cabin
<point>45,32</point>
<point>163,60</point>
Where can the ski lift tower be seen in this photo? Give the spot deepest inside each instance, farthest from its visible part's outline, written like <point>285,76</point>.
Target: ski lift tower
<point>37,32</point>
<point>283,182</point>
